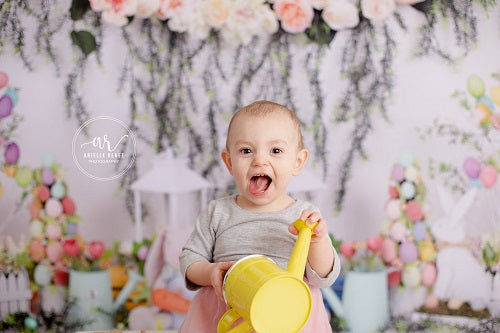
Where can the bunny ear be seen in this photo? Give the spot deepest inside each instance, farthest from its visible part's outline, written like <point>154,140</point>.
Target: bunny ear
<point>155,260</point>
<point>445,199</point>
<point>463,205</point>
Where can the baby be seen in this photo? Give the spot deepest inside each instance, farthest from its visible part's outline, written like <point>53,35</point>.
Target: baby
<point>264,149</point>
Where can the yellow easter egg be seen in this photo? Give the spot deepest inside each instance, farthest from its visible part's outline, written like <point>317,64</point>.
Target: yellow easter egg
<point>427,251</point>
<point>485,113</point>
<point>495,94</point>
<point>10,170</point>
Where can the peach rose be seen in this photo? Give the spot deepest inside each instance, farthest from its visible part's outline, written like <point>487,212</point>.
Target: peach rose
<point>340,15</point>
<point>295,15</point>
<point>377,10</point>
<point>216,12</point>
<point>167,8</point>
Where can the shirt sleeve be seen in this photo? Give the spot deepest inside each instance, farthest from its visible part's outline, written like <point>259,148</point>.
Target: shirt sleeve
<point>200,244</point>
<point>322,282</point>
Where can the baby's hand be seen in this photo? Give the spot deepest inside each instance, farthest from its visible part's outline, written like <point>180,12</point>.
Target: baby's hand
<point>318,232</point>
<point>217,273</point>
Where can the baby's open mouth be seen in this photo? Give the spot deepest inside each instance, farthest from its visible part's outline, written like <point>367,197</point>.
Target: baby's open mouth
<point>259,184</point>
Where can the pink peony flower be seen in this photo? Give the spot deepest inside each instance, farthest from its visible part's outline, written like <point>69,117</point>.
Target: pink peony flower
<point>71,247</point>
<point>377,10</point>
<point>295,15</point>
<point>95,249</point>
<point>374,243</point>
<point>347,249</point>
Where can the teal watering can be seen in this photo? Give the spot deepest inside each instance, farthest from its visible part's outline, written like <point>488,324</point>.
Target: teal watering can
<point>93,308</point>
<point>364,305</point>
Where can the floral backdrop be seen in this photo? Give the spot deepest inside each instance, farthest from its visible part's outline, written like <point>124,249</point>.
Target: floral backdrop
<point>186,66</point>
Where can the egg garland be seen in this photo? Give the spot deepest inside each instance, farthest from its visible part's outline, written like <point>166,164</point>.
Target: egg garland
<point>408,249</point>
<point>484,109</point>
<point>481,174</point>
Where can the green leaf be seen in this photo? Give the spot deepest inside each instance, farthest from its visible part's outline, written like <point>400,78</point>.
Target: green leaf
<point>84,40</point>
<point>78,9</point>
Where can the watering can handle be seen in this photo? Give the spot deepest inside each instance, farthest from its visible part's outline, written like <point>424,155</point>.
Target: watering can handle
<point>298,259</point>
<point>228,319</point>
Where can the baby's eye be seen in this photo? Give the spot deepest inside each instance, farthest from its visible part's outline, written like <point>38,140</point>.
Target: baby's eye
<point>245,150</point>
<point>276,151</point>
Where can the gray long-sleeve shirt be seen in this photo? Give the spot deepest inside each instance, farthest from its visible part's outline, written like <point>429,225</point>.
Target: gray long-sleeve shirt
<point>226,232</point>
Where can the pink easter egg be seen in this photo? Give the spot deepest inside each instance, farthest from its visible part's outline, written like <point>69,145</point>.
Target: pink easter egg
<point>388,250</point>
<point>495,120</point>
<point>11,153</point>
<point>53,207</point>
<point>393,209</point>
<point>398,231</point>
<point>47,176</point>
<point>471,167</point>
<point>431,302</point>
<point>4,79</point>
<point>488,176</point>
<point>413,211</point>
<point>398,173</point>
<point>55,252</point>
<point>68,206</point>
<point>36,250</point>
<point>53,231</point>
<point>394,278</point>
<point>428,274</point>
<point>408,252</point>
<point>43,193</point>
<point>393,192</point>
<point>34,209</point>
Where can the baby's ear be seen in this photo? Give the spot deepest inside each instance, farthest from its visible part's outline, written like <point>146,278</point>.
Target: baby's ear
<point>226,157</point>
<point>300,161</point>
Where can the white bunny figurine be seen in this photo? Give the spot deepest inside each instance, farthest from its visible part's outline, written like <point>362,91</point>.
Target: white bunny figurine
<point>460,275</point>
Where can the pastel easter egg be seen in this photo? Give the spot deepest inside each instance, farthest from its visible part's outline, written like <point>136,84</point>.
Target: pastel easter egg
<point>34,208</point>
<point>12,93</point>
<point>483,112</point>
<point>495,120</point>
<point>58,190</point>
<point>393,209</point>
<point>471,167</point>
<point>411,173</point>
<point>427,251</point>
<point>30,323</point>
<point>11,153</point>
<point>36,250</point>
<point>398,173</point>
<point>414,211</point>
<point>55,252</point>
<point>43,193</point>
<point>408,190</point>
<point>42,274</point>
<point>475,86</point>
<point>411,277</point>
<point>68,206</point>
<point>488,176</point>
<point>53,207</point>
<point>406,159</point>
<point>394,278</point>
<point>428,274</point>
<point>10,170</point>
<point>454,303</point>
<point>71,229</point>
<point>495,94</point>
<point>398,231</point>
<point>24,176</point>
<point>388,250</point>
<point>419,231</point>
<point>431,301</point>
<point>408,252</point>
<point>5,106</point>
<point>4,79</point>
<point>53,231</point>
<point>47,176</point>
<point>393,192</point>
<point>475,183</point>
<point>488,101</point>
<point>36,228</point>
<point>142,253</point>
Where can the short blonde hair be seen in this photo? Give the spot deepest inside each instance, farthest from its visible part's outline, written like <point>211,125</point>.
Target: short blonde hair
<point>263,108</point>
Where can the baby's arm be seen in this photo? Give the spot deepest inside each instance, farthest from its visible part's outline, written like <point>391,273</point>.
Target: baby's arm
<point>208,274</point>
<point>320,257</point>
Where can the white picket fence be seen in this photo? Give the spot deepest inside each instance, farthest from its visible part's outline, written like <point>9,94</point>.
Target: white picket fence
<point>15,293</point>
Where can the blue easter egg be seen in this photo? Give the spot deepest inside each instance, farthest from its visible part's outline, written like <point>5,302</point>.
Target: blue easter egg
<point>419,231</point>
<point>71,229</point>
<point>30,323</point>
<point>408,190</point>
<point>12,93</point>
<point>488,101</point>
<point>475,183</point>
<point>57,190</point>
<point>406,159</point>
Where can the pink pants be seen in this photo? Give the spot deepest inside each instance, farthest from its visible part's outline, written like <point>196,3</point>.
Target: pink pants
<point>206,310</point>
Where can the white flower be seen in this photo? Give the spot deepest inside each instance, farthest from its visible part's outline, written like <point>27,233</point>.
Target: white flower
<point>269,20</point>
<point>99,5</point>
<point>216,12</point>
<point>340,15</point>
<point>377,10</point>
<point>321,4</point>
<point>188,17</point>
<point>246,20</point>
<point>408,2</point>
<point>126,248</point>
<point>146,8</point>
<point>168,8</point>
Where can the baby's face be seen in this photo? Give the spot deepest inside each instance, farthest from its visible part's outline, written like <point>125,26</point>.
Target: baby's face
<point>263,154</point>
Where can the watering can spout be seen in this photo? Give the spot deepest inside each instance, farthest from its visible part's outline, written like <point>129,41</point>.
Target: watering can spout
<point>133,278</point>
<point>334,301</point>
<point>297,262</point>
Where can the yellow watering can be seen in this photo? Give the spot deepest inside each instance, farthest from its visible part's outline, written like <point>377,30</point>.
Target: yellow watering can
<point>266,298</point>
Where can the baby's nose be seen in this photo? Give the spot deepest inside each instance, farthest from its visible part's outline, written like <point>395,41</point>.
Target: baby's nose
<point>260,159</point>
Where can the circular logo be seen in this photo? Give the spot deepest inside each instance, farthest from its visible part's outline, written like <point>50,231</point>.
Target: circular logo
<point>104,148</point>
